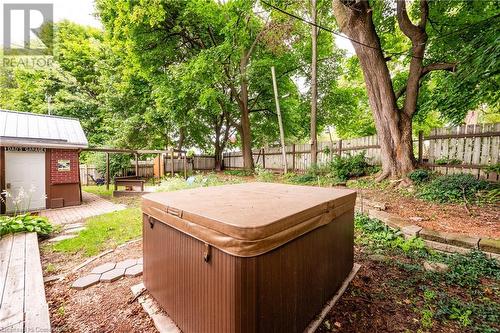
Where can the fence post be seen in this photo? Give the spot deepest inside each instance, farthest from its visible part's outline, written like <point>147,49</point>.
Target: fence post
<point>263,158</point>
<point>340,148</point>
<point>107,171</point>
<point>86,174</point>
<point>420,147</point>
<point>172,161</point>
<point>185,166</point>
<point>293,157</point>
<point>136,165</point>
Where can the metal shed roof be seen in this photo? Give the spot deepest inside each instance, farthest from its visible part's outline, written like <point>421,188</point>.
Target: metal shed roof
<point>24,129</point>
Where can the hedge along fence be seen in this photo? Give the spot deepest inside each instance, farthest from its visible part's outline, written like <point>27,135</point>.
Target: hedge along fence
<point>469,149</point>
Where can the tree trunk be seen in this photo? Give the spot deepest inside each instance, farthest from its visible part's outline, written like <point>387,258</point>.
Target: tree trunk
<point>393,126</point>
<point>246,135</point>
<point>218,157</point>
<point>314,86</point>
<point>182,137</point>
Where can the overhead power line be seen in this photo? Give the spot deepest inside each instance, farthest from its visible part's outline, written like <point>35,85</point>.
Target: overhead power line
<point>389,54</point>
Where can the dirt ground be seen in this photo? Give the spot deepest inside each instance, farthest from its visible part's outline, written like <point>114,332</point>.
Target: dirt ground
<point>484,221</point>
<point>101,308</point>
<point>381,298</point>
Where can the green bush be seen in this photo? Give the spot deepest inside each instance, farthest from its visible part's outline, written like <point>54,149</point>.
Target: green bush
<point>447,161</point>
<point>419,176</point>
<point>264,175</point>
<point>343,168</point>
<point>493,168</point>
<point>24,223</point>
<point>452,188</point>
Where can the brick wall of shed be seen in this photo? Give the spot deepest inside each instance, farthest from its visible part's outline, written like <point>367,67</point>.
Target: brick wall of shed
<point>64,177</point>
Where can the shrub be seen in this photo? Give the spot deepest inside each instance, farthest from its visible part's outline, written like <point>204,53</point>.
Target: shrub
<point>419,176</point>
<point>452,188</point>
<point>349,166</point>
<point>493,168</point>
<point>447,161</point>
<point>24,223</point>
<point>264,175</point>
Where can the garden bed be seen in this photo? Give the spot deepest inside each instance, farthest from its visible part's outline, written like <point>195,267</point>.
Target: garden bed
<point>392,292</point>
<point>484,220</point>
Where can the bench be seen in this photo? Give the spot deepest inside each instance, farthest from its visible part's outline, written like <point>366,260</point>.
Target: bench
<point>23,307</point>
<point>133,185</point>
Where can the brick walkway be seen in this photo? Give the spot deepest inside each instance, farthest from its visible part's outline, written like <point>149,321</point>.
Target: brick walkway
<point>92,205</point>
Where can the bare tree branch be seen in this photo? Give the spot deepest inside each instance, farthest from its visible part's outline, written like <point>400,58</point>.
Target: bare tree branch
<point>407,27</point>
<point>445,66</point>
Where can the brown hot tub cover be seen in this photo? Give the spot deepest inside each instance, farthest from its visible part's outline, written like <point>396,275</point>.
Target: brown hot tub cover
<point>248,219</point>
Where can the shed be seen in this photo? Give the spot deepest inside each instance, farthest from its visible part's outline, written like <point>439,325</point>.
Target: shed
<point>39,161</point>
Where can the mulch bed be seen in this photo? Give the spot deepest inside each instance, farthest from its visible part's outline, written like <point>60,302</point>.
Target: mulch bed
<point>101,308</point>
<point>484,221</point>
<point>372,303</point>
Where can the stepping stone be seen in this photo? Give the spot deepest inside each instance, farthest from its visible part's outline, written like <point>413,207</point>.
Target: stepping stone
<point>73,226</point>
<point>126,263</point>
<point>104,268</point>
<point>139,261</point>
<point>112,275</point>
<point>74,230</point>
<point>61,238</point>
<point>134,271</point>
<point>378,257</point>
<point>435,267</point>
<point>86,281</point>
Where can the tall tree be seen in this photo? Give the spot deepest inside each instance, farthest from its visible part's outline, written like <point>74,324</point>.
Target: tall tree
<point>314,84</point>
<point>393,122</point>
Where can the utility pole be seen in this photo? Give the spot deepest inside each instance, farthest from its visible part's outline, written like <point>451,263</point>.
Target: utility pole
<point>280,121</point>
<point>314,85</point>
<point>49,100</point>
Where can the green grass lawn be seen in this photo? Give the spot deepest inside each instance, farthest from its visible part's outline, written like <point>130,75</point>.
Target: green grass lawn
<point>103,232</point>
<point>99,190</point>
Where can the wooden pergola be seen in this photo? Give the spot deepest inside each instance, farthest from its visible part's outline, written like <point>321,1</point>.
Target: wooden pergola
<point>136,154</point>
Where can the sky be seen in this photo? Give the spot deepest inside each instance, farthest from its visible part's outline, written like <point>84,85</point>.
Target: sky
<point>78,11</point>
<point>81,12</point>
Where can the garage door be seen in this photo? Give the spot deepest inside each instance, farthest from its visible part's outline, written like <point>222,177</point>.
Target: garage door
<point>25,180</point>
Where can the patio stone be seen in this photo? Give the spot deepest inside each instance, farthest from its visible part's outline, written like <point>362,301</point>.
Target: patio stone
<point>112,275</point>
<point>61,238</point>
<point>134,271</point>
<point>73,225</point>
<point>490,245</point>
<point>86,281</point>
<point>73,230</point>
<point>104,268</point>
<point>126,263</point>
<point>411,230</point>
<point>139,261</point>
<point>463,240</point>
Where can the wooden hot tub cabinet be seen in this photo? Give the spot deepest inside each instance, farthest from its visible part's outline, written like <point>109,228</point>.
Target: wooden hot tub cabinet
<point>252,257</point>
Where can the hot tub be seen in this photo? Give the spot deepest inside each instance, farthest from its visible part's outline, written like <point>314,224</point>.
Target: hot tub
<point>254,257</point>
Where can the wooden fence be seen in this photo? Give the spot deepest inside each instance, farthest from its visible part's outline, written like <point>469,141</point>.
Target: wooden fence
<point>89,173</point>
<point>299,155</point>
<point>469,149</point>
<point>195,163</point>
